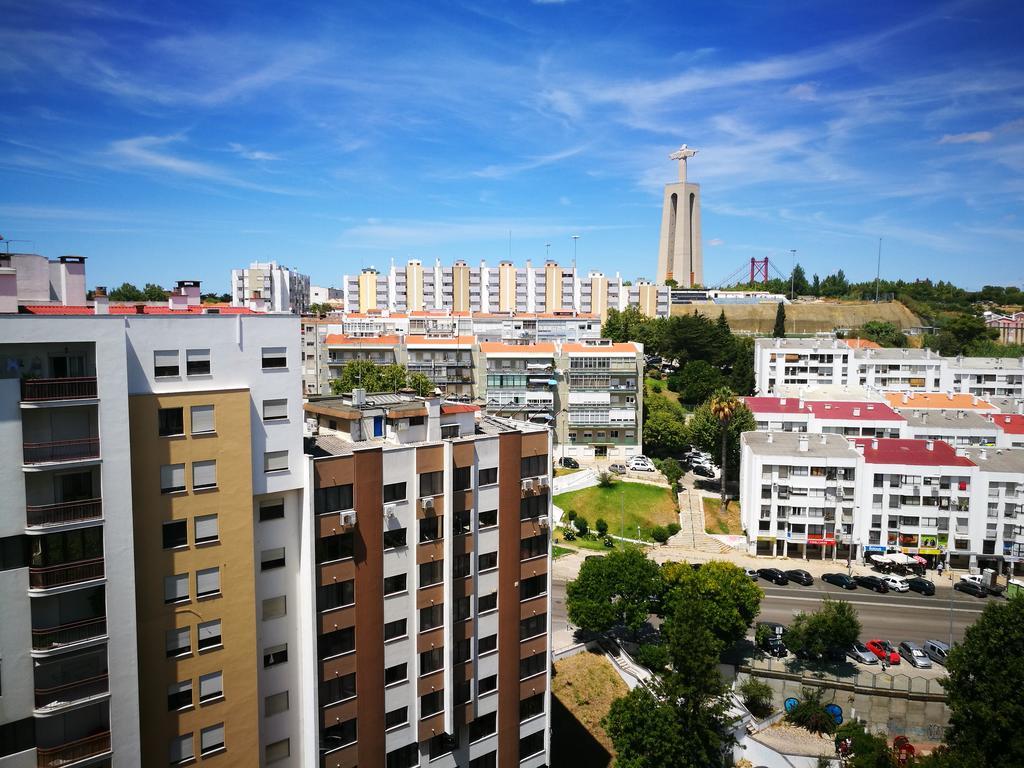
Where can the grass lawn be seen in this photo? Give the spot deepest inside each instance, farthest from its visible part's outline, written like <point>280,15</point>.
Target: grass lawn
<point>583,688</point>
<point>559,471</point>
<point>667,393</point>
<point>715,521</point>
<point>642,505</point>
<point>558,551</point>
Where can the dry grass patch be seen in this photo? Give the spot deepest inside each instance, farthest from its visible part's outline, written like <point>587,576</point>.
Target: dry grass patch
<point>718,521</point>
<point>586,685</point>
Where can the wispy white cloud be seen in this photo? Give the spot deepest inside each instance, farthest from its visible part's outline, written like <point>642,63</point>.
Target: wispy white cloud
<point>716,241</point>
<point>251,154</point>
<point>974,137</point>
<point>511,169</point>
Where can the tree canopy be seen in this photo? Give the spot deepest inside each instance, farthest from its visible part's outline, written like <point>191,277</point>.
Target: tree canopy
<point>379,378</point>
<point>126,292</point>
<point>705,432</point>
<point>883,333</point>
<point>727,599</point>
<point>833,625</point>
<point>696,381</point>
<point>617,589</point>
<point>779,331</point>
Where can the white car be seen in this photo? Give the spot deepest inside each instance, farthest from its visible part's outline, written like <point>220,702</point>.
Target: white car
<point>641,464</point>
<point>896,583</point>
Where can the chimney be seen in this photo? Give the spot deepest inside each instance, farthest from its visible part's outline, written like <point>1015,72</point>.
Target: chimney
<point>140,309</point>
<point>859,447</point>
<point>960,414</point>
<point>983,455</point>
<point>871,406</point>
<point>100,302</point>
<point>801,403</point>
<point>874,444</point>
<point>856,411</point>
<point>929,445</point>
<point>782,401</point>
<point>906,398</point>
<point>802,444</point>
<point>770,437</point>
<point>824,439</point>
<point>949,395</point>
<point>974,400</point>
<point>358,396</point>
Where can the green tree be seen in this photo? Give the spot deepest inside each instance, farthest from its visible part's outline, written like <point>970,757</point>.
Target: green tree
<point>697,381</point>
<point>723,405</point>
<point>601,525</point>
<point>959,332</point>
<point>321,309</point>
<point>126,292</point>
<point>799,281</point>
<point>741,379</point>
<point>664,433</point>
<point>391,378</point>
<point>810,713</point>
<point>357,373</point>
<point>605,479</point>
<point>884,333</point>
<point>985,677</point>
<point>779,332</point>
<point>816,286</point>
<point>420,384</point>
<point>153,292</point>
<point>659,533</point>
<point>835,285</point>
<point>613,590</point>
<point>727,600</point>
<point>582,525</point>
<point>757,696</point>
<point>867,749</point>
<point>671,470</point>
<point>833,625</point>
<point>705,431</point>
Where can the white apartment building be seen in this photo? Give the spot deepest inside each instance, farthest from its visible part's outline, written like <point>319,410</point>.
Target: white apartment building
<point>1000,488</point>
<point>959,428</point>
<point>28,278</point>
<point>802,363</point>
<point>1011,429</point>
<point>269,287</point>
<point>854,418</point>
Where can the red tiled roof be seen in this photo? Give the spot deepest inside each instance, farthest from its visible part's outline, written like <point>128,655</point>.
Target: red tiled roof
<point>463,341</point>
<point>914,452</point>
<point>133,309</point>
<point>494,347</point>
<point>1011,424</point>
<point>340,340</point>
<point>573,348</point>
<point>459,408</point>
<point>862,344</point>
<point>839,410</point>
<point>958,400</point>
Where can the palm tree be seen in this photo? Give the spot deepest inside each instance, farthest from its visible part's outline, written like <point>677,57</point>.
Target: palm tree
<point>723,406</point>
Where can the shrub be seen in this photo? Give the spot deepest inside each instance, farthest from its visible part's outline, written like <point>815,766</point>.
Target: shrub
<point>568,534</point>
<point>656,387</point>
<point>601,525</point>
<point>605,479</point>
<point>810,713</point>
<point>581,525</point>
<point>570,515</point>
<point>673,529</point>
<point>660,534</point>
<point>654,657</point>
<point>654,374</point>
<point>757,697</point>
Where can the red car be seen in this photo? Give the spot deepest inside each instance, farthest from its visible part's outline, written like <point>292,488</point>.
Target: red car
<point>884,650</point>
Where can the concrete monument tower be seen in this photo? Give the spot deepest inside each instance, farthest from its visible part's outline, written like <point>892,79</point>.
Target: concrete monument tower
<point>680,256</point>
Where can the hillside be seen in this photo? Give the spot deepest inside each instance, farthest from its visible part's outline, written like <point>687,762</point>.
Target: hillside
<point>801,318</point>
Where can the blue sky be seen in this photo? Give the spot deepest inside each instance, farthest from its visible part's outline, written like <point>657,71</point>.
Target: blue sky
<point>176,140</point>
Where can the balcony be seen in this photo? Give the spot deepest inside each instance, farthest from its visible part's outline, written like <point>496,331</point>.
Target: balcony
<point>54,638</point>
<point>65,574</point>
<point>67,754</point>
<point>48,390</point>
<point>42,515</point>
<point>70,693</point>
<point>55,451</point>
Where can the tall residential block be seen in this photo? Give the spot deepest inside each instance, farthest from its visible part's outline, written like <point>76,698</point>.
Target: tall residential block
<point>270,287</point>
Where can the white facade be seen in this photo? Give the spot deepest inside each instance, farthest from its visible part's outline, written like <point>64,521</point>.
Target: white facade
<point>268,287</point>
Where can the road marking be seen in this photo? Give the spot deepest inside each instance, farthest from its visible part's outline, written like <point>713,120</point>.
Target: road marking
<point>879,604</point>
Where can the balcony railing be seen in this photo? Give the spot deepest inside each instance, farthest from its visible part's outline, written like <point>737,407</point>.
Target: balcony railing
<point>41,390</point>
<point>66,634</point>
<point>57,757</point>
<point>69,693</point>
<point>62,450</point>
<point>69,573</point>
<point>39,515</point>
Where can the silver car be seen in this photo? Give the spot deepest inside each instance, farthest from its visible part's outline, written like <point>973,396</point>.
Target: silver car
<point>617,469</point>
<point>914,654</point>
<point>859,652</point>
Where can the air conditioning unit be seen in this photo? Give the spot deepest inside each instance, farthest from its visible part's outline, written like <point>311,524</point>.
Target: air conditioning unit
<point>427,502</point>
<point>347,518</point>
<point>543,481</point>
<point>389,510</point>
<point>403,425</point>
<point>543,521</point>
<point>528,484</point>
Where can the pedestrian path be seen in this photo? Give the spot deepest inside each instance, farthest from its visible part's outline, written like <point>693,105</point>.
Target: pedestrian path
<point>691,526</point>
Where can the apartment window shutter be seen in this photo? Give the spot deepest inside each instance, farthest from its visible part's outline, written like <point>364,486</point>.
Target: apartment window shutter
<point>176,588</point>
<point>202,419</point>
<point>181,749</point>
<point>211,686</point>
<point>208,582</point>
<point>212,737</point>
<point>172,477</point>
<point>204,474</point>
<point>206,529</point>
<point>275,409</point>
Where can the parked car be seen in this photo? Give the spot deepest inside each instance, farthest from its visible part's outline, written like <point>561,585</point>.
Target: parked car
<point>860,653</point>
<point>936,650</point>
<point>883,650</point>
<point>800,576</point>
<point>918,584</point>
<point>774,575</point>
<point>752,574</point>
<point>996,590</point>
<point>641,464</point>
<point>568,462</point>
<point>839,580</point>
<point>913,653</point>
<point>617,469</point>
<point>872,582</point>
<point>771,641</point>
<point>896,583</point>
<point>971,588</point>
<point>702,471</point>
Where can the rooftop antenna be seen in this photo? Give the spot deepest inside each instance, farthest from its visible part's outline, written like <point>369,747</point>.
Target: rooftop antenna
<point>878,268</point>
<point>510,245</point>
<point>547,251</point>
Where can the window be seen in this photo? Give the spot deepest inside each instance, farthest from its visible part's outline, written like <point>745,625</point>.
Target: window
<point>279,750</point>
<point>179,642</point>
<point>396,674</point>
<point>488,518</point>
<point>271,510</point>
<point>415,421</point>
<point>535,546</point>
<point>181,749</point>
<point>209,634</point>
<point>533,586</point>
<point>206,529</point>
<point>339,735</point>
<point>533,626</point>
<point>463,608</point>
<point>172,478</point>
<point>176,588</point>
<point>275,607</point>
<point>488,684</point>
<point>486,645</point>
<point>462,478</point>
<point>333,499</point>
<point>532,507</point>
<point>439,745</point>
<point>462,566</point>
<point>483,726</point>
<point>486,561</point>
<point>275,461</point>
<point>403,757</point>
<point>338,689</point>
<point>208,582</point>
<point>462,692</point>
<point>394,492</point>
<point>179,695</point>
<point>461,523</point>
<point>431,573</point>
<point>17,736</point>
<point>487,602</point>
<point>395,717</point>
<point>165,363</point>
<point>274,655</point>
<point>431,661</point>
<point>204,475</point>
<point>432,703</point>
<point>336,547</point>
<point>211,687</point>
<point>395,538</point>
<point>275,410</point>
<point>275,357</point>
<point>449,431</point>
<point>431,617</point>
<point>197,362</point>
<point>202,419</point>
<point>488,476</point>
<point>490,760</point>
<point>337,642</point>
<point>531,745</point>
<point>394,584</point>
<point>430,528</point>
<point>175,534</point>
<point>431,483</point>
<point>531,466</point>
<point>172,421</point>
<point>272,558</point>
<point>394,629</point>
<point>337,595</point>
<point>211,739</point>
<point>532,665</point>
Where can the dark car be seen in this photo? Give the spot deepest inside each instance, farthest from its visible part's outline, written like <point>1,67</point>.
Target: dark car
<point>774,575</point>
<point>769,638</point>
<point>700,469</point>
<point>872,582</point>
<point>970,588</point>
<point>568,462</point>
<point>917,584</point>
<point>839,580</point>
<point>801,577</point>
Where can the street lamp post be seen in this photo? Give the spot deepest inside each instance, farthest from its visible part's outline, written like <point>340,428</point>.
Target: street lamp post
<point>622,512</point>
<point>574,239</point>
<point>792,276</point>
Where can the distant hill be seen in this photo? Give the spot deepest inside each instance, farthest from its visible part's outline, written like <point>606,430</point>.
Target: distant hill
<point>811,317</point>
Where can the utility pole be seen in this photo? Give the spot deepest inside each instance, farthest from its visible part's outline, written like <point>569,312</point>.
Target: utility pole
<point>878,268</point>
<point>574,239</point>
<point>622,512</point>
<point>792,276</point>
<point>950,607</point>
